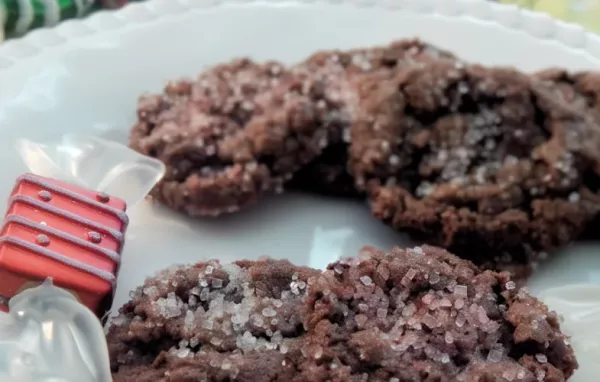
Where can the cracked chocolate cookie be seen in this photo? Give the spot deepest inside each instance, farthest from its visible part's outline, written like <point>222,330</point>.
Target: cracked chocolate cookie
<point>423,314</point>
<point>487,162</point>
<point>238,131</point>
<point>581,88</point>
<point>328,174</point>
<point>417,314</point>
<point>213,322</point>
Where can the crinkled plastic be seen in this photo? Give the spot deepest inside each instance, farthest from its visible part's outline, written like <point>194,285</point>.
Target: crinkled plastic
<point>48,336</point>
<point>94,163</point>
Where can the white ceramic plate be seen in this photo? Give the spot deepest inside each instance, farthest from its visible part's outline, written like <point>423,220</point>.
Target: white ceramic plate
<point>85,77</point>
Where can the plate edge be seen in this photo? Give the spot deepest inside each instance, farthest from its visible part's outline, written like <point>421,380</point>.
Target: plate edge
<point>539,25</point>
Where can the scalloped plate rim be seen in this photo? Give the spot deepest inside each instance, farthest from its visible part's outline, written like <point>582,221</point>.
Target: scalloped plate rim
<point>187,8</point>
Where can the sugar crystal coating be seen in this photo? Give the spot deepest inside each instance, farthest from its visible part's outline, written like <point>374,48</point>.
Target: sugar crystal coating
<point>272,321</point>
<point>490,163</point>
<point>251,319</point>
<point>485,161</point>
<point>328,173</point>
<point>238,131</point>
<point>423,333</point>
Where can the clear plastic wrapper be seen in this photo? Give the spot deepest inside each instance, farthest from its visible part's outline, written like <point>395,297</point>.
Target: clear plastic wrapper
<point>94,163</point>
<point>48,335</point>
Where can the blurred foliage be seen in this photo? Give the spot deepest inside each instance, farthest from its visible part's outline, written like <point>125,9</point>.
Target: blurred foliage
<point>583,12</point>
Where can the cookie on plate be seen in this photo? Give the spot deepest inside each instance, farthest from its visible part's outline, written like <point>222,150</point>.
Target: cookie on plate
<point>582,88</point>
<point>238,131</point>
<point>579,88</point>
<point>406,52</point>
<point>213,322</point>
<point>487,162</point>
<point>328,174</point>
<point>417,314</point>
<point>423,314</point>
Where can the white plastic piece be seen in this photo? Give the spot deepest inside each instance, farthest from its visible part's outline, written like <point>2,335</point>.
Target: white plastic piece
<point>94,163</point>
<point>48,336</point>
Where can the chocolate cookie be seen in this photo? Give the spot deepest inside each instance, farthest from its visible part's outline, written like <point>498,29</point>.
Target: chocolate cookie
<point>422,314</point>
<point>238,131</point>
<point>328,174</point>
<point>488,163</point>
<point>578,88</point>
<point>401,53</point>
<point>213,322</point>
<point>407,315</point>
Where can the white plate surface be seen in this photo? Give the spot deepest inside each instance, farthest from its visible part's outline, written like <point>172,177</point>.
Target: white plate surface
<point>84,77</point>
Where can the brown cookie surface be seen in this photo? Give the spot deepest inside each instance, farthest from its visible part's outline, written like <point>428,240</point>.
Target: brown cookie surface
<point>212,322</point>
<point>497,166</point>
<point>417,314</point>
<point>238,131</point>
<point>328,173</point>
<point>423,314</point>
<point>582,88</point>
<point>487,162</point>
